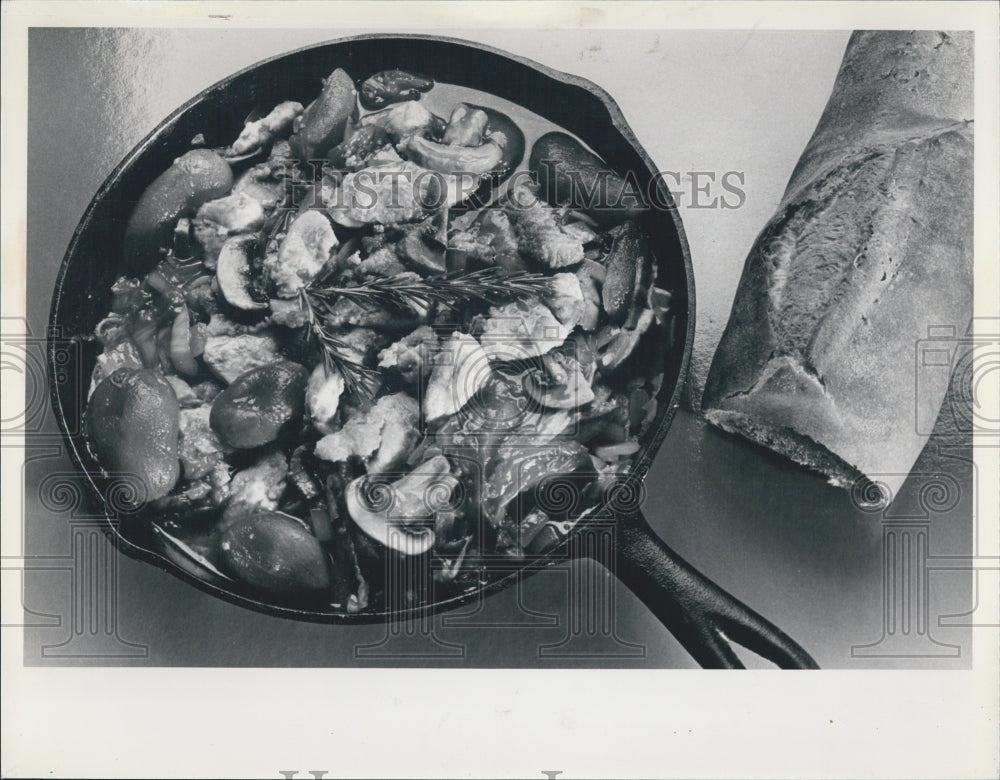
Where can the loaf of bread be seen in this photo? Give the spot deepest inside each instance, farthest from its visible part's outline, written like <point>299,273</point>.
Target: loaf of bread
<point>870,247</point>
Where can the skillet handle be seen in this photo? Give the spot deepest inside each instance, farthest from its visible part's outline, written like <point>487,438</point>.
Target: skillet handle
<point>702,616</point>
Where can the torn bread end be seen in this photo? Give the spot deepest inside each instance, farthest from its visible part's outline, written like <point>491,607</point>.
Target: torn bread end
<point>805,451</point>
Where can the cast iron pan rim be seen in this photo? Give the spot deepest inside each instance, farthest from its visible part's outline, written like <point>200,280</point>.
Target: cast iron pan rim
<point>642,463</point>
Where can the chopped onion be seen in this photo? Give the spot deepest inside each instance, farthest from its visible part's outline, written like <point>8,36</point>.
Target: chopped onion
<point>180,343</point>
<point>612,452</point>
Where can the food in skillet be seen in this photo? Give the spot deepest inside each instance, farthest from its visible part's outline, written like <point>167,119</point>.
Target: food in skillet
<point>311,374</point>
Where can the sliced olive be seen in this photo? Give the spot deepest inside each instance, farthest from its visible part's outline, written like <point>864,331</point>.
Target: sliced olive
<point>132,422</point>
<point>573,176</point>
<point>274,552</point>
<point>393,86</point>
<point>233,273</point>
<point>260,405</point>
<point>194,178</point>
<point>321,126</point>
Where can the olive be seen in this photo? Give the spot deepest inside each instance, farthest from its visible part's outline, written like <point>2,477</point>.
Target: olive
<point>260,405</point>
<point>132,423</point>
<point>629,274</point>
<point>573,176</point>
<point>393,86</point>
<point>274,552</point>
<point>321,126</point>
<point>194,178</point>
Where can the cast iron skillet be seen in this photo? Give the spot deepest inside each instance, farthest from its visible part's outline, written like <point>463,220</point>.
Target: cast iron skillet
<point>702,616</point>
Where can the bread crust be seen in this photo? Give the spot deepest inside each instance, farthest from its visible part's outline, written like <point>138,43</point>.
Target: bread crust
<point>870,246</point>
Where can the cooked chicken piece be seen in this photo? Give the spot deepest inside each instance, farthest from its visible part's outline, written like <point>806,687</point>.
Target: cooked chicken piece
<point>540,233</point>
<point>363,343</point>
<point>264,182</point>
<point>566,299</point>
<point>199,448</point>
<point>124,355</point>
<point>521,329</point>
<point>495,225</point>
<point>386,192</point>
<point>186,397</point>
<point>263,483</point>
<point>288,313</point>
<point>323,393</point>
<point>410,354</point>
<point>219,219</point>
<point>304,252</point>
<point>490,240</point>
<point>383,436</point>
<point>401,120</point>
<point>387,154</point>
<point>221,325</point>
<point>257,134</point>
<point>232,349</point>
<point>461,368</point>
<point>229,356</point>
<point>382,262</point>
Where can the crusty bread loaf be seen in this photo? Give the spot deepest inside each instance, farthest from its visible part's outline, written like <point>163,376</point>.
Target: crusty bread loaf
<point>871,246</point>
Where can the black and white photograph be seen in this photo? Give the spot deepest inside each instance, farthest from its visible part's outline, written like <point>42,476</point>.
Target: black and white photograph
<point>432,390</point>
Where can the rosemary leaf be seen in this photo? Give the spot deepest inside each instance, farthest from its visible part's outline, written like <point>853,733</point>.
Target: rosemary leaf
<point>410,291</point>
<point>406,291</point>
<point>359,380</point>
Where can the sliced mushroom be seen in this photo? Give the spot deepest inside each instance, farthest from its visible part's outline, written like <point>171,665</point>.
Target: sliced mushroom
<point>453,158</point>
<point>400,515</point>
<point>233,273</point>
<point>466,126</point>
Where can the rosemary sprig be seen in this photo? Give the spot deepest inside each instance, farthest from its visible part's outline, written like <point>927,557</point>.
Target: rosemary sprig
<point>409,291</point>
<point>359,380</point>
<point>406,291</point>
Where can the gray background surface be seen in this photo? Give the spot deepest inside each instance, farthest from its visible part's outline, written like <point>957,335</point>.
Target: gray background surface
<point>777,536</point>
